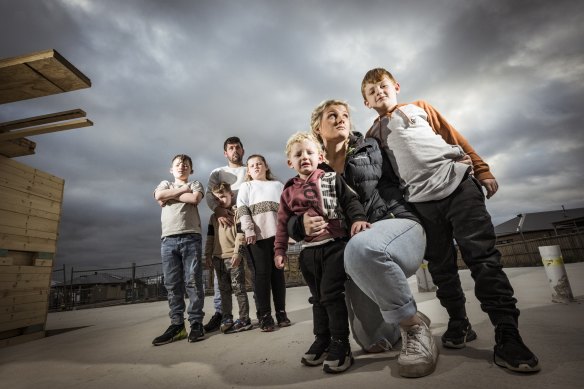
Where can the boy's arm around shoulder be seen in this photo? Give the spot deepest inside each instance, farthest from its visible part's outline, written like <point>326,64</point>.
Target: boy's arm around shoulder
<point>352,206</point>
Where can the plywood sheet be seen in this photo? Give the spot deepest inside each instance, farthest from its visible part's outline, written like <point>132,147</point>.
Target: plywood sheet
<point>39,74</point>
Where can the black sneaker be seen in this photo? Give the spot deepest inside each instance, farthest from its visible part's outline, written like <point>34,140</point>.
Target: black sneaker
<point>458,333</point>
<point>214,323</point>
<point>173,333</point>
<point>197,332</point>
<point>339,357</point>
<point>282,319</point>
<point>267,323</point>
<point>317,352</point>
<point>510,351</point>
<point>226,323</point>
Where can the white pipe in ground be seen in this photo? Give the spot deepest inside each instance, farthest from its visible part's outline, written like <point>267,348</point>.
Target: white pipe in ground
<point>551,256</point>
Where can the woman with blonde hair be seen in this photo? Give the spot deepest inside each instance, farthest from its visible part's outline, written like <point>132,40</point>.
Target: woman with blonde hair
<point>380,259</point>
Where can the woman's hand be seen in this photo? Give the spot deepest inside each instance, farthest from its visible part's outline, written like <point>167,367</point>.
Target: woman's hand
<point>358,227</point>
<point>250,239</point>
<point>313,225</point>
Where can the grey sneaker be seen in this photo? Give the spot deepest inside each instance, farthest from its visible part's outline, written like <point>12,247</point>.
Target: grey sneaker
<point>419,352</point>
<point>240,325</point>
<point>226,323</point>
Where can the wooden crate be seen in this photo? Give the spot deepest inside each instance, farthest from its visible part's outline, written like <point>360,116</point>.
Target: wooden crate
<point>30,212</point>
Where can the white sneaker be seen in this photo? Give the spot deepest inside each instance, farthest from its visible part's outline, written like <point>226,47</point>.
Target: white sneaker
<point>419,352</point>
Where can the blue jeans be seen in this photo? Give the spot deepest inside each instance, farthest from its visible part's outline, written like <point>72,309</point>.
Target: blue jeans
<point>380,260</point>
<point>183,272</point>
<point>367,325</point>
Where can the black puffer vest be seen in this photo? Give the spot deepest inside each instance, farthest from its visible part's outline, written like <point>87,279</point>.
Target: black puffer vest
<point>370,174</point>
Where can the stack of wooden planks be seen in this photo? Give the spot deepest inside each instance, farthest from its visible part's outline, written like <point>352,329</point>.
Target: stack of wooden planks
<point>30,199</point>
<point>35,75</point>
<point>30,211</point>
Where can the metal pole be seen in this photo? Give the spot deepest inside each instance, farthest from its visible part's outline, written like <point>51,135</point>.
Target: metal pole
<point>520,229</point>
<point>133,281</point>
<point>63,304</point>
<point>71,289</point>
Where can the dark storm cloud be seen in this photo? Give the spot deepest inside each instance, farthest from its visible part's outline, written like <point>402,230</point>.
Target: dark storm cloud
<point>181,76</point>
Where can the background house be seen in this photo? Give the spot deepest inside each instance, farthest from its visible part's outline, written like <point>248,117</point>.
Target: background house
<point>535,225</point>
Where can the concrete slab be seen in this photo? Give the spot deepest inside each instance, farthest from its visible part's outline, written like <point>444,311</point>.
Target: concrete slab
<point>111,348</point>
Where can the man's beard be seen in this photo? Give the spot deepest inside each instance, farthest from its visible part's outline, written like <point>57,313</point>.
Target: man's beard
<point>237,159</point>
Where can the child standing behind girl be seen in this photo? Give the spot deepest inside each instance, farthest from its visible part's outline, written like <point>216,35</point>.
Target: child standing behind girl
<point>257,209</point>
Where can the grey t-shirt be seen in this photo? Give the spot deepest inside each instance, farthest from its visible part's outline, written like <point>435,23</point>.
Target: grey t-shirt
<point>425,164</point>
<point>178,217</point>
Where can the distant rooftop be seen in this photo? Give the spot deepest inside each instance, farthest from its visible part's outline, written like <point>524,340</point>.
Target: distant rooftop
<point>98,278</point>
<point>538,221</point>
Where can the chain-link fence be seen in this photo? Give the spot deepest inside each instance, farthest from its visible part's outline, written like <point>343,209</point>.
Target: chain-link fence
<point>75,288</point>
<point>71,287</point>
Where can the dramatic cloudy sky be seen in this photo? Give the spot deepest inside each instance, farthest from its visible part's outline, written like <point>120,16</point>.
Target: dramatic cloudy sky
<point>180,76</point>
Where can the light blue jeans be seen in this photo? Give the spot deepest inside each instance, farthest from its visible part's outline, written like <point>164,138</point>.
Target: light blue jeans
<point>183,272</point>
<point>379,261</point>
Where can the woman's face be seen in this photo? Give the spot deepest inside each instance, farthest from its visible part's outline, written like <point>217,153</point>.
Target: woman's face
<point>256,168</point>
<point>335,124</point>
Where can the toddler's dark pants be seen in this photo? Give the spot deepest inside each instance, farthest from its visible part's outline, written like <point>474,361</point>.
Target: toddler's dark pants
<point>324,272</point>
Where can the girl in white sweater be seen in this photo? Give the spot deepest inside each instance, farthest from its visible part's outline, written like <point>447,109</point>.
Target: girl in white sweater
<point>257,208</point>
